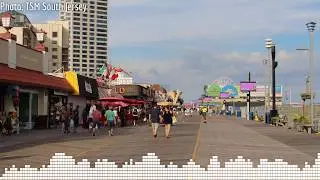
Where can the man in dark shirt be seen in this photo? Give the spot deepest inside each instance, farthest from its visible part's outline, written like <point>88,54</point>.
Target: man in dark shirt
<point>155,120</point>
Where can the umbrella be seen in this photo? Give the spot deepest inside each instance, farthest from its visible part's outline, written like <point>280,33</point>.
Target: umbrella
<point>117,103</point>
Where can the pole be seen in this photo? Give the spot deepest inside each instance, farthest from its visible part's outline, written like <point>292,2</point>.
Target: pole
<point>273,79</point>
<point>311,74</point>
<point>269,79</point>
<point>265,62</point>
<point>248,99</point>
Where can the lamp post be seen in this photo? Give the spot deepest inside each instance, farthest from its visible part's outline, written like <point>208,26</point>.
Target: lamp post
<point>6,20</point>
<point>311,28</point>
<point>41,36</point>
<point>268,46</point>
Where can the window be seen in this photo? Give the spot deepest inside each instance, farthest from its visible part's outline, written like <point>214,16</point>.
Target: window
<point>76,23</point>
<point>54,42</point>
<point>84,65</point>
<point>76,55</point>
<point>101,39</point>
<point>76,42</point>
<point>102,26</point>
<point>102,17</point>
<point>91,2</point>
<point>54,64</point>
<point>76,19</point>
<point>91,52</point>
<point>84,61</point>
<point>103,35</point>
<point>91,34</point>
<point>76,69</point>
<point>91,7</point>
<point>102,30</point>
<point>91,56</point>
<point>54,57</point>
<point>91,65</point>
<point>54,49</point>
<point>100,52</point>
<point>76,60</point>
<point>102,57</point>
<point>76,46</point>
<point>91,25</point>
<point>101,21</point>
<point>102,4</point>
<point>76,14</point>
<point>76,28</point>
<point>76,37</point>
<point>91,47</point>
<point>54,34</point>
<point>84,42</point>
<point>91,43</point>
<point>84,29</point>
<point>84,24</point>
<point>76,51</point>
<point>84,51</point>
<point>91,29</point>
<point>92,16</point>
<point>76,32</point>
<point>101,44</point>
<point>84,33</point>
<point>101,48</point>
<point>84,56</point>
<point>92,11</point>
<point>102,8</point>
<point>76,65</point>
<point>91,61</point>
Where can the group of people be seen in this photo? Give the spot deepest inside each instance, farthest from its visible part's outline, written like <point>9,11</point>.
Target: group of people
<point>7,123</point>
<point>165,115</point>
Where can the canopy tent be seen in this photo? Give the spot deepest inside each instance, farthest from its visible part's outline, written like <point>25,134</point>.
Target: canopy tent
<point>128,102</point>
<point>114,104</point>
<point>165,104</point>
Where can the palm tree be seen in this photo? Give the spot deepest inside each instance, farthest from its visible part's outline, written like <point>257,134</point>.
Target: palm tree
<point>205,88</point>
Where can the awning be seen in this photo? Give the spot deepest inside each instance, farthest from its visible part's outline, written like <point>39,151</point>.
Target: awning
<point>114,104</point>
<point>27,77</point>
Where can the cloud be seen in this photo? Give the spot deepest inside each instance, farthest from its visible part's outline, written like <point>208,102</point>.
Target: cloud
<point>218,20</point>
<point>193,70</point>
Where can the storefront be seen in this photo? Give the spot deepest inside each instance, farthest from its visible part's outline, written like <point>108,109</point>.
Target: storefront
<point>85,89</point>
<point>56,98</point>
<point>28,97</point>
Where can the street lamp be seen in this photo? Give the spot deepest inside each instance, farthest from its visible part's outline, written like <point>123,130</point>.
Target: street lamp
<point>311,28</point>
<point>41,36</point>
<point>268,46</point>
<point>6,20</point>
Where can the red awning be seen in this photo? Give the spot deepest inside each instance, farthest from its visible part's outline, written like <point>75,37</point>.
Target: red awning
<point>111,99</point>
<point>26,77</point>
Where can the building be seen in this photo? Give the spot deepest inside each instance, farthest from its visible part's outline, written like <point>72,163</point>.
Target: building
<point>22,28</point>
<point>88,37</point>
<point>123,78</point>
<point>57,43</point>
<point>25,84</point>
<point>134,91</point>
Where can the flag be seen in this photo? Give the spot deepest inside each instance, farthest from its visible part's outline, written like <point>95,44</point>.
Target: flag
<point>114,77</point>
<point>109,69</point>
<point>102,70</point>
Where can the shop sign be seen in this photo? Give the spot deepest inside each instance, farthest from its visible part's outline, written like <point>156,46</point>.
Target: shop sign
<point>88,87</point>
<point>59,93</point>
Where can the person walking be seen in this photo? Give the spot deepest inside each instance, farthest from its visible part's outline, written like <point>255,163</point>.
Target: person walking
<point>90,116</point>
<point>111,120</point>
<point>76,118</point>
<point>155,120</point>
<point>96,117</point>
<point>135,115</point>
<point>167,120</point>
<point>204,111</point>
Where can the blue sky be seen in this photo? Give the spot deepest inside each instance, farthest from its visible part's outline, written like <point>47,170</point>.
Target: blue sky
<point>185,44</point>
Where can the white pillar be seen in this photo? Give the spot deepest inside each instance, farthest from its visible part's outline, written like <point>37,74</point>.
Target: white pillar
<point>12,58</point>
<point>45,63</point>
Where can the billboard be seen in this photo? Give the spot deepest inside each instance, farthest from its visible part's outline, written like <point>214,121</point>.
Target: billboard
<point>247,86</point>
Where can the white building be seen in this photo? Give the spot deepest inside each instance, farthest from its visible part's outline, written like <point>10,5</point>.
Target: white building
<point>88,36</point>
<point>124,78</point>
<point>57,43</point>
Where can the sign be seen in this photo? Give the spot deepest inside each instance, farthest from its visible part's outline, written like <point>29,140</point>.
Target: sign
<point>59,93</point>
<point>231,90</point>
<point>247,86</point>
<point>224,95</point>
<point>88,87</point>
<point>214,90</point>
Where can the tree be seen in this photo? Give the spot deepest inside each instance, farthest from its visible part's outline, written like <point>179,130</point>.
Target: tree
<point>205,88</point>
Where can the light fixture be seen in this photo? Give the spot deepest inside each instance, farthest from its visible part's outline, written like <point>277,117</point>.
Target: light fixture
<point>6,20</point>
<point>41,36</point>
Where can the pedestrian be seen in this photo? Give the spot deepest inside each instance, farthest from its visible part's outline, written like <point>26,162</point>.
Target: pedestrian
<point>76,117</point>
<point>167,120</point>
<point>135,115</point>
<point>110,116</point>
<point>96,117</point>
<point>90,116</point>
<point>155,120</point>
<point>122,116</point>
<point>204,111</point>
<point>116,115</point>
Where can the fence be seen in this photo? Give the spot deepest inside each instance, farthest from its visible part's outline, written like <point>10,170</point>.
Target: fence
<point>290,110</point>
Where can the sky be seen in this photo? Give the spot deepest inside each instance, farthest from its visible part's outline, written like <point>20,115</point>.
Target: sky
<point>185,44</point>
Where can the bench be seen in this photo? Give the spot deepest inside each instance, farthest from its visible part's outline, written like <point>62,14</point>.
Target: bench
<point>307,128</point>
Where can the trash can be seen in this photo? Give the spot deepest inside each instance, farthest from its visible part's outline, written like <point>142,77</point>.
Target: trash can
<point>267,118</point>
<point>251,116</point>
<point>239,115</point>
